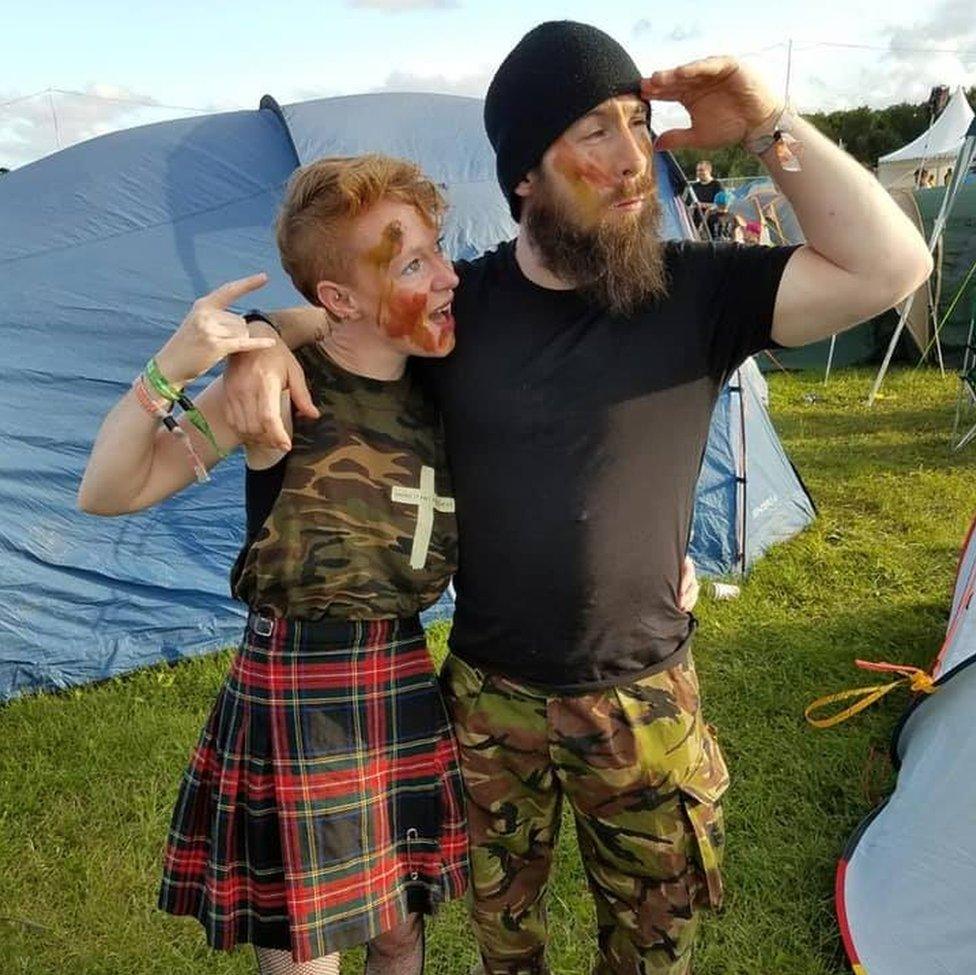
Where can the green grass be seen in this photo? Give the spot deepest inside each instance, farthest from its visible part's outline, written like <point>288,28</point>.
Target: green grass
<point>87,777</point>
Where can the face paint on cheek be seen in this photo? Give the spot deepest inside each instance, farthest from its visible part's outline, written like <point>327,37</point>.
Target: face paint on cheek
<point>580,171</point>
<point>407,318</point>
<point>588,182</point>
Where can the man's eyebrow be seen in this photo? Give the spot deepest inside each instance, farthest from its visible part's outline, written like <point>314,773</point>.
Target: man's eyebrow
<point>602,113</point>
<point>599,113</point>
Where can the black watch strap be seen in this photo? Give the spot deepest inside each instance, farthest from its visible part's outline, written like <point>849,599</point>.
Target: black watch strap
<point>255,315</point>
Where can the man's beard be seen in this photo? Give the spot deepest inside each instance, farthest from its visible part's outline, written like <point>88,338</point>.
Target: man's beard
<point>618,262</point>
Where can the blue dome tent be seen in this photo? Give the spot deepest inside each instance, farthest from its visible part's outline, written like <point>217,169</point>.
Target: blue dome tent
<point>105,245</point>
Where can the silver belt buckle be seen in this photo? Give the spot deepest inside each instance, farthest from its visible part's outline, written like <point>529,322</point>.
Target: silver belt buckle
<point>262,625</point>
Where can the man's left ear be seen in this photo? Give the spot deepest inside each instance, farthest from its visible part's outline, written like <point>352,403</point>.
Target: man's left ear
<point>524,187</point>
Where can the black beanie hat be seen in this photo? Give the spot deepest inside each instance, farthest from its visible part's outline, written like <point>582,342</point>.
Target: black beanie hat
<point>556,74</point>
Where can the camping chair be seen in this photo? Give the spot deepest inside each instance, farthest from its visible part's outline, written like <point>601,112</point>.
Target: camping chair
<point>696,213</point>
<point>967,381</point>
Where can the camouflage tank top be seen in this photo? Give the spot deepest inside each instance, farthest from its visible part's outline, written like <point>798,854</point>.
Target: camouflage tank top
<point>363,527</point>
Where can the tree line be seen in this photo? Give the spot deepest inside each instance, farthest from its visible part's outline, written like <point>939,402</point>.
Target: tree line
<point>866,133</point>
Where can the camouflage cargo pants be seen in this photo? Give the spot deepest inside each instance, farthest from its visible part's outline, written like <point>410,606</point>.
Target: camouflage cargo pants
<point>643,776</point>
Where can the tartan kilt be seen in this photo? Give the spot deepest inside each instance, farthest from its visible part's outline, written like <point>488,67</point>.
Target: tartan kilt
<point>323,802</point>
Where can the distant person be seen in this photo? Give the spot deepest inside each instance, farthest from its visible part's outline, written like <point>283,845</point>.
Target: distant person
<point>752,232</point>
<point>705,187</point>
<point>722,224</point>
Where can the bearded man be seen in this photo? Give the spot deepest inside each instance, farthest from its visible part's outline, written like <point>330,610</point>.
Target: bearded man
<point>576,407</point>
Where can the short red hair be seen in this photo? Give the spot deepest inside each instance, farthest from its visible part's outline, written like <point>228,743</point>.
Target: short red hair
<point>324,197</point>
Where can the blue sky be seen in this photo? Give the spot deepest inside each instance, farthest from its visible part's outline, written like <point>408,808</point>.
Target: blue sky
<point>220,55</point>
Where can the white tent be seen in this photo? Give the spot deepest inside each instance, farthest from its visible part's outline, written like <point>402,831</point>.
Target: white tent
<point>904,889</point>
<point>935,149</point>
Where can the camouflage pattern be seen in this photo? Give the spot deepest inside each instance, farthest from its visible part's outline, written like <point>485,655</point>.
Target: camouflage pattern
<point>336,544</point>
<point>643,775</point>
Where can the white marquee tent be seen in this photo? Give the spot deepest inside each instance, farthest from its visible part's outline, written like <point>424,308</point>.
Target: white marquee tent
<point>935,149</point>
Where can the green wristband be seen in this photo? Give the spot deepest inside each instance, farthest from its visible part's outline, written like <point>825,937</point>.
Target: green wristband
<point>174,395</point>
<point>160,383</point>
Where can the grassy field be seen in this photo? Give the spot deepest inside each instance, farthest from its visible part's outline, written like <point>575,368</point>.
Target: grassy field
<point>87,778</point>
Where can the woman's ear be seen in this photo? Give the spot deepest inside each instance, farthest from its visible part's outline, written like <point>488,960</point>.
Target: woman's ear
<point>337,300</point>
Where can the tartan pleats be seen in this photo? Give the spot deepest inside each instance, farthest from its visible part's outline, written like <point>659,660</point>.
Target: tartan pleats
<point>323,801</point>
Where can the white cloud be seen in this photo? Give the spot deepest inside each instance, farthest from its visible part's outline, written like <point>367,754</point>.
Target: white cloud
<point>950,24</point>
<point>936,49</point>
<point>400,6</point>
<point>35,126</point>
<point>685,32</point>
<point>305,93</point>
<point>471,84</point>
<point>680,32</point>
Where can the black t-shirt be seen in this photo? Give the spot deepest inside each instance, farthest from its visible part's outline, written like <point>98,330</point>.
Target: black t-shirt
<point>261,490</point>
<point>705,192</point>
<point>574,440</point>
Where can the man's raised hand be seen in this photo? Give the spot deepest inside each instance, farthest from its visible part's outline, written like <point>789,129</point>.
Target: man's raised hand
<point>210,333</point>
<point>726,101</point>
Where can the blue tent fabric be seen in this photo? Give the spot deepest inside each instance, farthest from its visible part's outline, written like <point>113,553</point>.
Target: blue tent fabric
<point>749,495</point>
<point>105,246</point>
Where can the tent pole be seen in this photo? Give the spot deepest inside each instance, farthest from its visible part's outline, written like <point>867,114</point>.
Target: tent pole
<point>936,293</point>
<point>743,476</point>
<point>961,395</point>
<point>891,349</point>
<point>830,356</point>
<point>965,157</point>
<point>938,352</point>
<point>968,361</point>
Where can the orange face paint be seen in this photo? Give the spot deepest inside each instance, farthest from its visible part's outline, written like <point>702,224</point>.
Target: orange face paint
<point>381,255</point>
<point>584,177</point>
<point>406,317</point>
<point>402,312</point>
<point>591,183</point>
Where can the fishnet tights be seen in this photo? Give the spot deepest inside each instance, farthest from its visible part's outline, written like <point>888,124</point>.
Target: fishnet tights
<point>398,952</point>
<point>274,962</point>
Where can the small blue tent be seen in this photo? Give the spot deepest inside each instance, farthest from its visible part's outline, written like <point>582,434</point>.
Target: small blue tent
<point>749,494</point>
<point>105,245</point>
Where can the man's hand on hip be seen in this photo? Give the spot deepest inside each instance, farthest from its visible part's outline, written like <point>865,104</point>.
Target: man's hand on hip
<point>687,586</point>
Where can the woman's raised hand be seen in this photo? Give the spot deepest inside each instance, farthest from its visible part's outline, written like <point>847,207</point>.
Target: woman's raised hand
<point>210,333</point>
